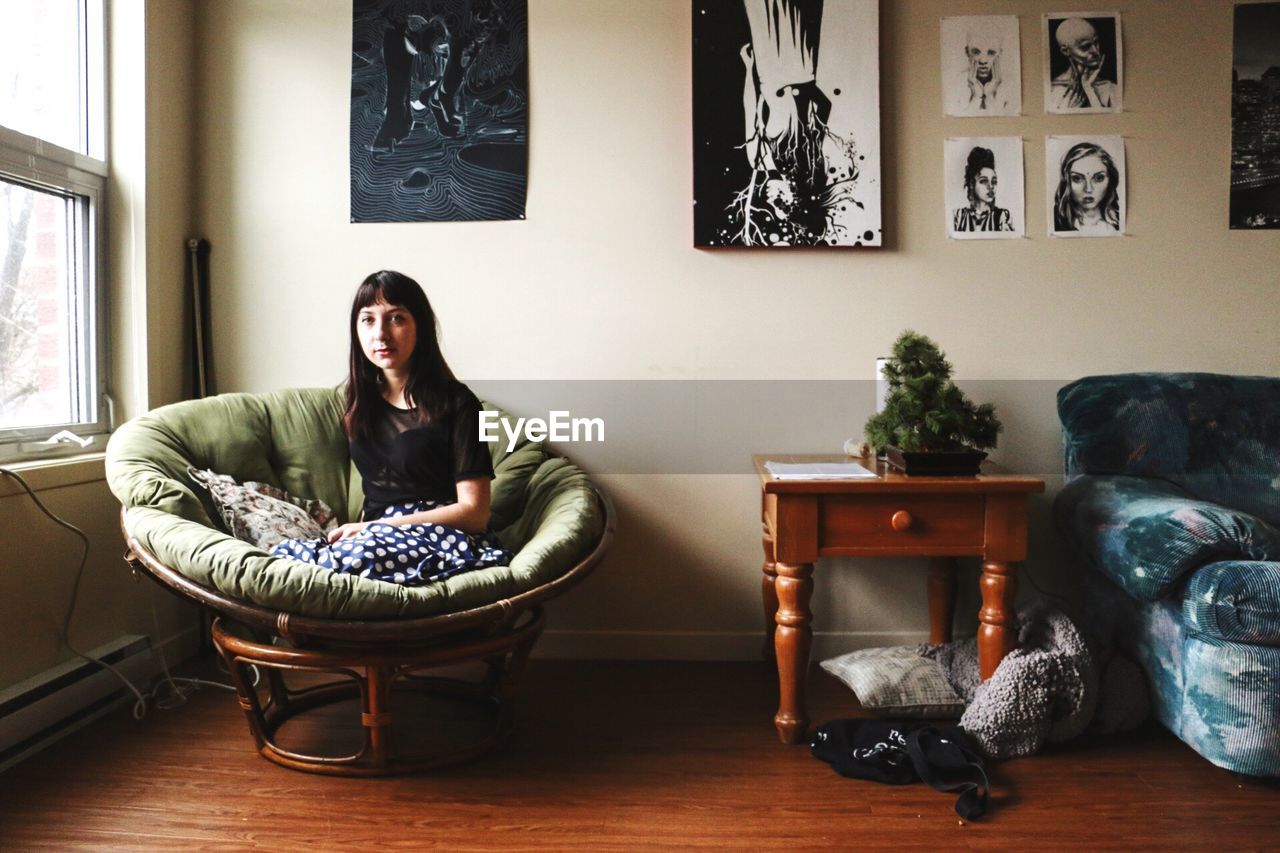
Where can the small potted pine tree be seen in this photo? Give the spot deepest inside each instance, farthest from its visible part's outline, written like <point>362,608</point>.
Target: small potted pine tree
<point>928,425</point>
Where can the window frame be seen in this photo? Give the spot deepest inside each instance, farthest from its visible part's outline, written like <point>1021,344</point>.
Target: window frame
<point>43,166</point>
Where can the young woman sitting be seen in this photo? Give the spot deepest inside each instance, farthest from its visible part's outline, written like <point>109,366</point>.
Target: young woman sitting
<point>413,430</point>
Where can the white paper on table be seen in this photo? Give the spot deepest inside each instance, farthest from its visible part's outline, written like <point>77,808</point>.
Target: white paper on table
<point>818,471</point>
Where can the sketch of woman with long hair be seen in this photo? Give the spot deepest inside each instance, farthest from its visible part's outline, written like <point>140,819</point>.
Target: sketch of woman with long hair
<point>1088,196</point>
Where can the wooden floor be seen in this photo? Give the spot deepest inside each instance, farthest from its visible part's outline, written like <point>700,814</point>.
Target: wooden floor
<point>613,756</point>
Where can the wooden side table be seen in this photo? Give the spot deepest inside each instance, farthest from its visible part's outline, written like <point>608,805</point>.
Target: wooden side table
<point>891,515</point>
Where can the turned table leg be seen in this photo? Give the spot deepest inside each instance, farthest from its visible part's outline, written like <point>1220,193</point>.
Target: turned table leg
<point>770,595</point>
<point>792,641</point>
<point>998,633</point>
<point>942,598</point>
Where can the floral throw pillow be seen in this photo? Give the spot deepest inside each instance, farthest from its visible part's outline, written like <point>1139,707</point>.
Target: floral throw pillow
<point>262,514</point>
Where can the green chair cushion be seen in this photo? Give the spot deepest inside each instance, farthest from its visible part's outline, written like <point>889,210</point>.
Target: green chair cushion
<point>543,508</point>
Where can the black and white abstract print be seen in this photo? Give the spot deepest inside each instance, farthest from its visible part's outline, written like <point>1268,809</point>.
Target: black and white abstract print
<point>439,110</point>
<point>786,123</point>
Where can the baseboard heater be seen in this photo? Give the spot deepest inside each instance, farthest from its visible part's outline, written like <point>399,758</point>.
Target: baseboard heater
<point>46,707</point>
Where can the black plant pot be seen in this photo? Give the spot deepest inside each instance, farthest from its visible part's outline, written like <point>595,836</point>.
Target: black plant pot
<point>950,463</point>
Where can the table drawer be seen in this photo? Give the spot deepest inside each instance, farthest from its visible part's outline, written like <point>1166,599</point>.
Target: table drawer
<point>910,521</point>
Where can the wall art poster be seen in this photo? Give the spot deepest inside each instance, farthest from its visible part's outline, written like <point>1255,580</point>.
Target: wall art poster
<point>439,110</point>
<point>984,192</point>
<point>1084,63</point>
<point>1084,185</point>
<point>1255,117</point>
<point>786,123</point>
<point>981,66</point>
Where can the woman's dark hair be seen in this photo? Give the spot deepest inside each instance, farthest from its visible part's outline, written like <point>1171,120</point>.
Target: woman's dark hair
<point>979,159</point>
<point>429,376</point>
<point>1063,218</point>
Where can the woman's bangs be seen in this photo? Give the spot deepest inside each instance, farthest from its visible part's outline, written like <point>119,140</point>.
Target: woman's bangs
<point>391,289</point>
<point>368,293</point>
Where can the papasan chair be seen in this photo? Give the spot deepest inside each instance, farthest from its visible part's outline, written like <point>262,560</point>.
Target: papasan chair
<point>303,643</point>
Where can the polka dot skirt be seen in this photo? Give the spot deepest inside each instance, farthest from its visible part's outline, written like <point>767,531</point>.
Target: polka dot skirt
<point>409,554</point>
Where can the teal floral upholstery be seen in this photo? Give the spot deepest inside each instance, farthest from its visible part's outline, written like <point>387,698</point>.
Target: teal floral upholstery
<point>1218,696</point>
<point>1235,600</point>
<point>1147,535</point>
<point>1173,497</point>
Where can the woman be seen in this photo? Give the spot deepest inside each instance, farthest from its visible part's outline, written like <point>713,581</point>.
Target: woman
<point>414,436</point>
<point>980,188</point>
<point>1088,196</point>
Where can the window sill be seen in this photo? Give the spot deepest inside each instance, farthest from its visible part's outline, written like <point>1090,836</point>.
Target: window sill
<point>55,473</point>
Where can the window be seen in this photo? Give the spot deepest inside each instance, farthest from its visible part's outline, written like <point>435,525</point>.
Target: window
<point>53,173</point>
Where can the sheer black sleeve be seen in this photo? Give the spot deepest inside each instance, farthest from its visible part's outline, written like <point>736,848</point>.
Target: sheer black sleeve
<point>470,456</point>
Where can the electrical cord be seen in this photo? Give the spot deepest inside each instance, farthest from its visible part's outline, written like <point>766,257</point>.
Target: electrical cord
<point>179,688</point>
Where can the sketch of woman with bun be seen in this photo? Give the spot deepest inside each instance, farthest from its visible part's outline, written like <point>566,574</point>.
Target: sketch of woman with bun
<point>981,214</point>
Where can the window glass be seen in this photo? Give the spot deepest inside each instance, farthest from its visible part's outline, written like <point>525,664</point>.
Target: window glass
<point>52,179</point>
<point>41,71</point>
<point>42,352</point>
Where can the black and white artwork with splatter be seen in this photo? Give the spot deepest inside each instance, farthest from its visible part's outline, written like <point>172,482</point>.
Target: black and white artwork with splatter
<point>786,123</point>
<point>439,110</point>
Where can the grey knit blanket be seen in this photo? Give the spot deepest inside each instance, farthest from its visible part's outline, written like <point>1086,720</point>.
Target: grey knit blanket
<point>1044,690</point>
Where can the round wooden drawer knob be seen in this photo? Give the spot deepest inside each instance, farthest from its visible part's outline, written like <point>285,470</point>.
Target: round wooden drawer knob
<point>901,520</point>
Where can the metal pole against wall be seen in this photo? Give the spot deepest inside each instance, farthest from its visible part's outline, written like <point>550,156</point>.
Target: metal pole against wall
<point>198,254</point>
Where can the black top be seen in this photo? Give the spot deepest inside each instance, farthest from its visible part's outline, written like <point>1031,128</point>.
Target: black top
<point>407,460</point>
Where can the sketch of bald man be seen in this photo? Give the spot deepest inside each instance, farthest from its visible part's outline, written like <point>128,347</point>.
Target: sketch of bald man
<point>982,79</point>
<point>1081,85</point>
<point>982,74</point>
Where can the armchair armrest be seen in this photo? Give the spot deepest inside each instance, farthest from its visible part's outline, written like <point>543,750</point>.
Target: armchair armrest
<point>1146,534</point>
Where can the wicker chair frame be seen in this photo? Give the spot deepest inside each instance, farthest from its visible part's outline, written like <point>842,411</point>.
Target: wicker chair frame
<point>370,659</point>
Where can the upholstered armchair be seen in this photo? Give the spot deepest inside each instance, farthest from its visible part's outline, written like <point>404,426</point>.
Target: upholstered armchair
<point>1173,497</point>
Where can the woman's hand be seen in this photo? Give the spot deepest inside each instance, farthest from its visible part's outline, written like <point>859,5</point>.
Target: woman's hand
<point>346,531</point>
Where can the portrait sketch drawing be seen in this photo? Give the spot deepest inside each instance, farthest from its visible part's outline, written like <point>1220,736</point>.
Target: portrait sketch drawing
<point>1084,185</point>
<point>1084,63</point>
<point>981,66</point>
<point>984,188</point>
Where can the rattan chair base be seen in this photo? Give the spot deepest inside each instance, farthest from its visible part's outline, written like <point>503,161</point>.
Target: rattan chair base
<point>372,673</point>
<point>372,657</point>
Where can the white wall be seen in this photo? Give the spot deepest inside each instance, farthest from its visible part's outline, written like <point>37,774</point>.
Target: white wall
<point>38,564</point>
<point>601,281</point>
<point>151,198</point>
